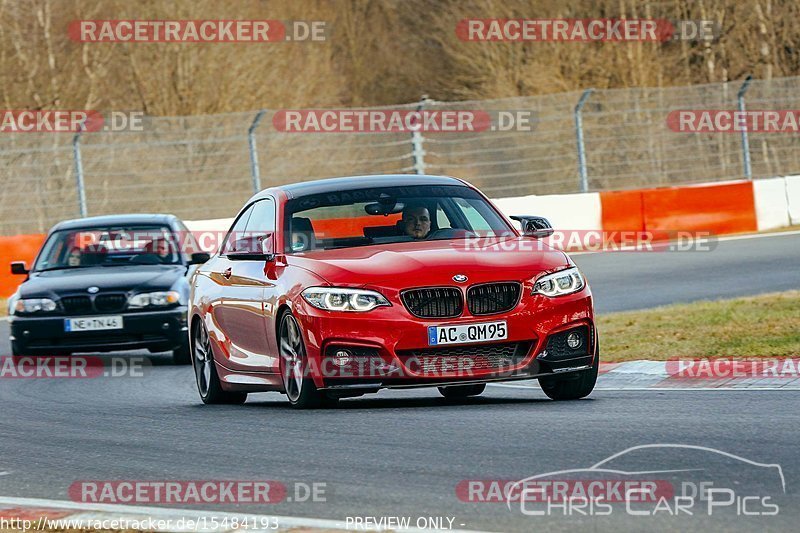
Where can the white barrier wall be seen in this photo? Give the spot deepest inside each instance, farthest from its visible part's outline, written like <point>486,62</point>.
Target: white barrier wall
<point>793,198</point>
<point>566,212</point>
<point>209,233</point>
<point>772,207</point>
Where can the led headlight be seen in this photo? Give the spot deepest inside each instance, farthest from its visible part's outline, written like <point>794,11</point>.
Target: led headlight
<point>341,299</point>
<point>559,283</point>
<point>34,305</point>
<point>153,299</point>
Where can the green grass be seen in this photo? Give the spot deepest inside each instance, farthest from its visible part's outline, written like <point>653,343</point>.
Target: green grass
<point>760,326</point>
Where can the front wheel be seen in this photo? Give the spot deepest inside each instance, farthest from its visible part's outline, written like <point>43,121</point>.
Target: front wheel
<point>462,391</point>
<point>574,386</point>
<point>208,383</point>
<point>299,388</point>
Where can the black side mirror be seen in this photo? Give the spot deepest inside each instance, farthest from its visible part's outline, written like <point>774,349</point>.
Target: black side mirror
<point>19,268</point>
<point>538,227</point>
<point>198,258</point>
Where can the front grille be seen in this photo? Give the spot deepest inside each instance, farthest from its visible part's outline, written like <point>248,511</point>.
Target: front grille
<point>110,302</point>
<point>76,305</point>
<point>493,298</point>
<point>495,356</point>
<point>435,302</point>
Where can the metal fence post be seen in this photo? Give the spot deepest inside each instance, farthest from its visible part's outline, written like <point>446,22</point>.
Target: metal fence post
<point>417,141</point>
<point>579,135</point>
<point>748,171</point>
<point>251,139</point>
<point>76,154</point>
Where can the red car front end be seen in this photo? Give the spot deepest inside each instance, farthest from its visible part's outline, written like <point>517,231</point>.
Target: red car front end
<point>395,345</point>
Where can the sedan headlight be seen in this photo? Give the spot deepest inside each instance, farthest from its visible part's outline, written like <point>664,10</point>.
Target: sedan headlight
<point>559,283</point>
<point>341,299</point>
<point>34,305</point>
<point>154,299</point>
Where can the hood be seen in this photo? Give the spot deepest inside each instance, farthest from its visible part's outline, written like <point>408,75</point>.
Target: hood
<point>419,264</point>
<point>107,279</point>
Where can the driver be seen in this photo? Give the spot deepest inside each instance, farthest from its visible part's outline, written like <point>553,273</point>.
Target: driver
<point>74,257</point>
<point>416,221</point>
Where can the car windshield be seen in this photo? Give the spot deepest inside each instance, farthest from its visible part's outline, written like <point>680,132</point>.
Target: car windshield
<point>108,246</point>
<point>385,215</point>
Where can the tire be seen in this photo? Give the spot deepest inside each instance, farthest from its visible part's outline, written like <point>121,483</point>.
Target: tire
<point>575,386</point>
<point>205,371</point>
<point>299,388</point>
<point>462,391</point>
<point>182,356</point>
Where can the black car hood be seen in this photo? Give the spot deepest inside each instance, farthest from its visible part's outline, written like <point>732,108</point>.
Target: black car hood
<point>140,278</point>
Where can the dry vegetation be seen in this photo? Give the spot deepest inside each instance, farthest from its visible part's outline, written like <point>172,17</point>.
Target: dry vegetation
<point>378,52</point>
<point>759,326</point>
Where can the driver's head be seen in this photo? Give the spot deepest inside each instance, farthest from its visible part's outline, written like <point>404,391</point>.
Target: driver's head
<point>161,248</point>
<point>74,257</point>
<point>416,221</point>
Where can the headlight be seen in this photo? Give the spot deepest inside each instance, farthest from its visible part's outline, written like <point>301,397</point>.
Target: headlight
<point>340,299</point>
<point>34,305</point>
<point>154,299</point>
<point>559,283</point>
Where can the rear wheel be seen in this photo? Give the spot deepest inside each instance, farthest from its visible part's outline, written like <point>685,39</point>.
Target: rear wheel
<point>205,371</point>
<point>299,388</point>
<point>574,386</point>
<point>462,391</point>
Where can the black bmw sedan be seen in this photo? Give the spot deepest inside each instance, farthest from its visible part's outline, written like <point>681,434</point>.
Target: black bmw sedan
<point>104,284</point>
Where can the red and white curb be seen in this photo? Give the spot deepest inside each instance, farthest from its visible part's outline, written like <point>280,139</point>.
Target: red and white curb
<point>44,514</point>
<point>701,375</point>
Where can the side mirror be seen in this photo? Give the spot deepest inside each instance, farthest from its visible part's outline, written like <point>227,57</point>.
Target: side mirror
<point>537,227</point>
<point>19,268</point>
<point>255,248</point>
<point>198,258</point>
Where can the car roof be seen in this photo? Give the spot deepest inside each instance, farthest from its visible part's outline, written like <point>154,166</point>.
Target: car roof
<point>115,220</point>
<point>349,183</point>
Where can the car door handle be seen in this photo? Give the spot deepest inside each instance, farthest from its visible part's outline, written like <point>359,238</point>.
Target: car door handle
<point>227,273</point>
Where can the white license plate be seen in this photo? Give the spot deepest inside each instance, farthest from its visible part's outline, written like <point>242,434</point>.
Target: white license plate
<point>467,333</point>
<point>93,323</point>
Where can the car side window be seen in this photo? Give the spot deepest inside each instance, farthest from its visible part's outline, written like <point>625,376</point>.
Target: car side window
<point>442,222</point>
<point>262,220</point>
<point>236,231</point>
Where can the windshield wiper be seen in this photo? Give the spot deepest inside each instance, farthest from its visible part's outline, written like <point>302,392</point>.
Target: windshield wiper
<point>63,267</point>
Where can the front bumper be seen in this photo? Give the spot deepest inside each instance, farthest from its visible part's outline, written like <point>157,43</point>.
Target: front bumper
<point>156,331</point>
<point>390,348</point>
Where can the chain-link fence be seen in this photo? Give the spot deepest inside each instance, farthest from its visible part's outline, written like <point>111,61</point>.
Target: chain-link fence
<point>203,167</point>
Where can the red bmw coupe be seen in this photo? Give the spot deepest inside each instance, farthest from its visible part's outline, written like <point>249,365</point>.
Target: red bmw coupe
<point>335,288</point>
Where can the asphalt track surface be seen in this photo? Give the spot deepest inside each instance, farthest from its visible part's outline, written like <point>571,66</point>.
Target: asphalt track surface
<point>624,281</point>
<point>403,453</point>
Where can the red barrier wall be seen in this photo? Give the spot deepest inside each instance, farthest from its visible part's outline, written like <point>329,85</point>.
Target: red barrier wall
<point>16,248</point>
<point>717,209</point>
<point>333,228</point>
<point>622,211</point>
